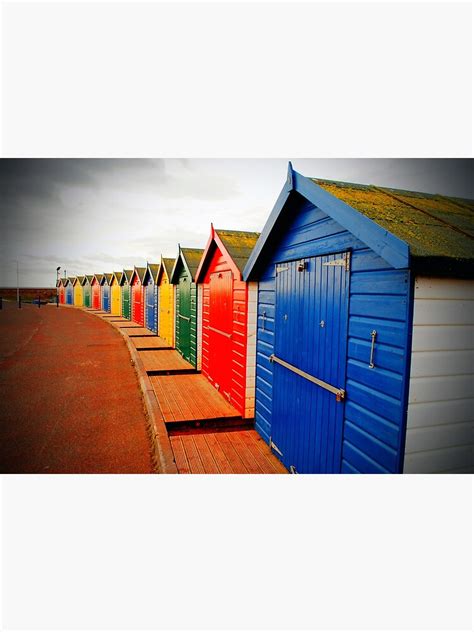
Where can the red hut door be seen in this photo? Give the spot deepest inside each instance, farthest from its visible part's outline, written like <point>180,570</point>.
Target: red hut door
<point>137,306</point>
<point>220,330</point>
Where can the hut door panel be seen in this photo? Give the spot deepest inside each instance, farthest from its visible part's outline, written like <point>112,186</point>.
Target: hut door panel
<point>106,295</point>
<point>126,301</point>
<point>151,307</point>
<point>310,336</point>
<point>115,300</point>
<point>137,308</point>
<point>220,330</point>
<point>184,317</point>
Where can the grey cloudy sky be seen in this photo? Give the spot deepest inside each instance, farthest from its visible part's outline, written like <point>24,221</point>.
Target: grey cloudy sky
<point>102,215</point>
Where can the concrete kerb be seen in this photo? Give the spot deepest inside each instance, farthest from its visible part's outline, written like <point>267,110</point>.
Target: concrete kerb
<point>161,445</point>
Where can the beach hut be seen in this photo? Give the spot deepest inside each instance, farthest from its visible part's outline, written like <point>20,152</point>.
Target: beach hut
<point>125,285</point>
<point>166,301</point>
<point>183,277</point>
<point>95,289</point>
<point>70,291</point>
<point>227,317</point>
<point>61,285</point>
<point>78,293</point>
<point>116,294</point>
<point>136,284</point>
<point>86,290</point>
<point>364,361</point>
<point>105,291</point>
<point>151,296</point>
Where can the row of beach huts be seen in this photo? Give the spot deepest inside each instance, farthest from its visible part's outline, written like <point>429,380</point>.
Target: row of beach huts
<point>345,329</point>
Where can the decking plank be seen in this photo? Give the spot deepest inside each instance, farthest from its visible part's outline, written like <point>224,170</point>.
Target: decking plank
<point>180,455</point>
<point>164,360</point>
<point>236,463</point>
<point>192,455</point>
<point>218,454</point>
<point>207,459</point>
<point>254,465</point>
<point>262,452</point>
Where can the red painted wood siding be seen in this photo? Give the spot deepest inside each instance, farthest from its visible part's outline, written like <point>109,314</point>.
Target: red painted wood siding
<point>232,319</point>
<point>95,295</point>
<point>138,312</point>
<point>62,294</point>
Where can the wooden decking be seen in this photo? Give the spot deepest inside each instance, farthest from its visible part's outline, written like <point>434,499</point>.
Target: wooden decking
<point>165,361</point>
<point>237,452</point>
<point>148,342</point>
<point>207,434</point>
<point>190,398</point>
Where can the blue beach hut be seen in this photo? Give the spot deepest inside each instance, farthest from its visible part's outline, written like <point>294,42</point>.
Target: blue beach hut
<point>364,352</point>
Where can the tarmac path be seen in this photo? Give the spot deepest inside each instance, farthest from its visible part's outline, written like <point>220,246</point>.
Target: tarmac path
<point>70,401</point>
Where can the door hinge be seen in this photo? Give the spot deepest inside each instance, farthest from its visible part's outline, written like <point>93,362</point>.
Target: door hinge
<point>293,470</point>
<point>344,261</point>
<point>282,269</point>
<point>274,447</point>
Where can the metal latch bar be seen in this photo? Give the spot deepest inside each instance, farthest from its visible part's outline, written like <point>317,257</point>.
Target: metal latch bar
<point>218,331</point>
<point>340,393</point>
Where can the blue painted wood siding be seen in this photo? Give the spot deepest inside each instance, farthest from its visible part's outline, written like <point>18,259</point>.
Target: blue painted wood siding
<point>375,406</point>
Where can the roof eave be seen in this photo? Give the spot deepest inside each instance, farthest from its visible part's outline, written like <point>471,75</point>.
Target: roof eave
<point>392,249</point>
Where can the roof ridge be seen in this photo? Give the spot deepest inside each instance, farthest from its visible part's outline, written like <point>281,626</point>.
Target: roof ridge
<point>421,210</point>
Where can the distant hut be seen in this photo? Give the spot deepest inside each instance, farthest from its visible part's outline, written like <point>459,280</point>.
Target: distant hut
<point>166,301</point>
<point>125,281</point>
<point>137,296</point>
<point>86,290</point>
<point>96,291</point>
<point>151,297</point>
<point>183,277</point>
<point>116,294</point>
<point>78,291</point>
<point>105,291</point>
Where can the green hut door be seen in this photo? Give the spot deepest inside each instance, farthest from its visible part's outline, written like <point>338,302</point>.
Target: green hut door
<point>126,301</point>
<point>184,316</point>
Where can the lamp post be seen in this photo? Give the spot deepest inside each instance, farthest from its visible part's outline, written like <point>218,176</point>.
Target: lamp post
<point>57,285</point>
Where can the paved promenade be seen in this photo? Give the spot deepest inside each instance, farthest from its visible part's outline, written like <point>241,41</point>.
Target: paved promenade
<point>69,396</point>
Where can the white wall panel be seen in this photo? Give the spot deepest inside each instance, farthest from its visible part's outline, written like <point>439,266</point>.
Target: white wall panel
<point>440,424</point>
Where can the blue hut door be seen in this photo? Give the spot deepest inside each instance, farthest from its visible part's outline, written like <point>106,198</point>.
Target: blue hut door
<point>151,306</point>
<point>312,302</point>
<point>106,305</point>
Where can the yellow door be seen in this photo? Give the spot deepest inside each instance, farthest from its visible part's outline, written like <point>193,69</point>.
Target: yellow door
<point>166,303</point>
<point>115,307</point>
<point>78,295</point>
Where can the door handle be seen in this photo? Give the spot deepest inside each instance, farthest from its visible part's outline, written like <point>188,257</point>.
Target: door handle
<point>340,393</point>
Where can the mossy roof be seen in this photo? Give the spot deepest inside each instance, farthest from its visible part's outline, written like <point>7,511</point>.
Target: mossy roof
<point>89,277</point>
<point>168,265</point>
<point>108,276</point>
<point>435,227</point>
<point>99,277</point>
<point>154,269</point>
<point>80,279</point>
<point>193,257</point>
<point>128,275</point>
<point>239,245</point>
<point>141,273</point>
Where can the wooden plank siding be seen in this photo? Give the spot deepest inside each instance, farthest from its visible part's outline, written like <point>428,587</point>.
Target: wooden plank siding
<point>193,323</point>
<point>374,410</point>
<point>440,423</point>
<point>239,334</point>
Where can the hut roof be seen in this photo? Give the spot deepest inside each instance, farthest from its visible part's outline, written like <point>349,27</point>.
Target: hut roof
<point>239,245</point>
<point>80,280</point>
<point>140,273</point>
<point>432,225</point>
<point>432,234</point>
<point>167,264</point>
<point>127,275</point>
<point>153,269</point>
<point>191,258</point>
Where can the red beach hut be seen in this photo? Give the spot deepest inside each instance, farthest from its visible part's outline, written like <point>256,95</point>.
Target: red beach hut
<point>138,311</point>
<point>227,314</point>
<point>95,285</point>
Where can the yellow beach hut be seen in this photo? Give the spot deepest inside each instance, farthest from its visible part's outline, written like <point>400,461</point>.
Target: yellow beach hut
<point>166,301</point>
<point>78,291</point>
<point>116,294</point>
